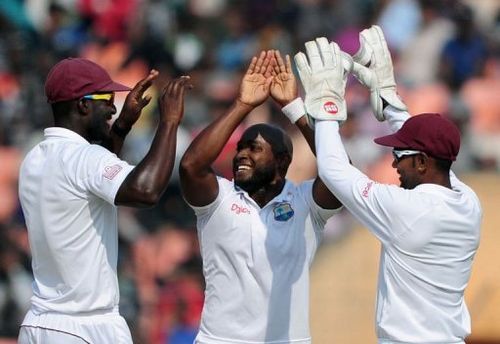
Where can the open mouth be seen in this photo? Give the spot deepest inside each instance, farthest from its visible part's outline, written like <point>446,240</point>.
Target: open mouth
<point>242,169</point>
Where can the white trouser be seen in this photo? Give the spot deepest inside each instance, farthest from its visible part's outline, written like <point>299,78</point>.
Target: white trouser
<point>57,328</point>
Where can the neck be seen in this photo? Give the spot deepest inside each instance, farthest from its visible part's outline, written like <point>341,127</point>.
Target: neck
<point>440,179</point>
<point>263,195</point>
<point>70,124</point>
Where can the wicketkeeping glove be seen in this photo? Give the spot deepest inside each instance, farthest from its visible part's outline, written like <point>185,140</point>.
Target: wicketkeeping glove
<point>379,75</point>
<point>323,74</point>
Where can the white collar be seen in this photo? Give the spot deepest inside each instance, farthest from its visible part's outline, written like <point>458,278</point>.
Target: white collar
<point>59,132</point>
<point>284,196</point>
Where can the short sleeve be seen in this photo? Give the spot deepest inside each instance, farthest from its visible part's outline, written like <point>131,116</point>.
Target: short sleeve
<point>102,172</point>
<point>204,213</point>
<point>319,215</point>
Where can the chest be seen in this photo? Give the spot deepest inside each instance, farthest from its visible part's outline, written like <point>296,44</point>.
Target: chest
<point>277,230</point>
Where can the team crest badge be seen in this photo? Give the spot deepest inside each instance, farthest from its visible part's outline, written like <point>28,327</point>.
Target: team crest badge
<point>283,212</point>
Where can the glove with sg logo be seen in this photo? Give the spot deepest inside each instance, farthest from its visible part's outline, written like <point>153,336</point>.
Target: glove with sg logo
<point>323,74</point>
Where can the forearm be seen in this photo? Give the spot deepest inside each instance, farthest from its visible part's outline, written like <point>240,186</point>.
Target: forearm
<point>334,167</point>
<point>149,179</point>
<point>207,146</point>
<point>307,132</point>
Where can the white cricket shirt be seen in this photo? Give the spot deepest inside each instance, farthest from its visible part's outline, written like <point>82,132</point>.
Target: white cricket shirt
<point>67,188</point>
<point>429,236</point>
<point>256,265</point>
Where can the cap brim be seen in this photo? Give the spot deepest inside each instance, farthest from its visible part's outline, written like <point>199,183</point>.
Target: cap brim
<point>390,141</point>
<point>115,87</point>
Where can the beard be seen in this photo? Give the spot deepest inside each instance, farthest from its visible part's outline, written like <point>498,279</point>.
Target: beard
<point>99,133</point>
<point>408,183</point>
<point>260,178</point>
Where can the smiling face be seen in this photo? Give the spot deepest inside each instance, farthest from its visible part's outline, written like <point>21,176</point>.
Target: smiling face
<point>254,165</point>
<point>262,157</point>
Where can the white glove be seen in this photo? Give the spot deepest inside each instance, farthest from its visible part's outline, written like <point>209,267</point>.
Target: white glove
<point>324,79</point>
<point>379,76</point>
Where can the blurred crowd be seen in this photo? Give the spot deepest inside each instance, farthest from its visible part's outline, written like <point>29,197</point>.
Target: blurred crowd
<point>446,55</point>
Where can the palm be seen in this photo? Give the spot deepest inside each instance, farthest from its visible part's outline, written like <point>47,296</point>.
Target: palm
<point>284,88</point>
<point>254,89</point>
<point>284,85</point>
<point>133,104</point>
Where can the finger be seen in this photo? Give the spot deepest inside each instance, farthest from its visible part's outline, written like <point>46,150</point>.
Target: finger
<point>335,51</point>
<point>276,67</point>
<point>302,65</point>
<point>251,67</point>
<point>145,101</point>
<point>347,62</point>
<point>363,55</point>
<point>268,60</point>
<point>363,74</point>
<point>314,56</point>
<point>288,64</point>
<point>184,82</point>
<point>163,91</point>
<point>270,68</point>
<point>260,62</point>
<point>179,85</point>
<point>379,35</point>
<point>326,52</point>
<point>169,88</point>
<point>281,64</point>
<point>145,83</point>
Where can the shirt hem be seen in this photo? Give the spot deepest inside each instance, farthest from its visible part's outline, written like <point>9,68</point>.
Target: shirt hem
<point>391,341</point>
<point>204,339</point>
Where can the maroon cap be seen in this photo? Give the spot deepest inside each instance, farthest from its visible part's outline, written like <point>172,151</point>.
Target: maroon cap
<point>73,78</point>
<point>428,132</point>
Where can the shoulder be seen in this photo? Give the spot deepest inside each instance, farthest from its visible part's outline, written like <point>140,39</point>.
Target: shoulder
<point>92,155</point>
<point>300,188</point>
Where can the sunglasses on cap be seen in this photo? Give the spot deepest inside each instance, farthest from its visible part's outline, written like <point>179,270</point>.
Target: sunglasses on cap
<point>399,154</point>
<point>108,97</point>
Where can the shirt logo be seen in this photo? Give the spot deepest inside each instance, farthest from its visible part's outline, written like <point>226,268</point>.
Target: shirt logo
<point>111,171</point>
<point>283,212</point>
<point>331,108</point>
<point>367,189</point>
<point>239,209</point>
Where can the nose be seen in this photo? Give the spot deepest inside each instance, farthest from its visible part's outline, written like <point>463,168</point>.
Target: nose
<point>394,163</point>
<point>242,153</point>
<point>113,107</point>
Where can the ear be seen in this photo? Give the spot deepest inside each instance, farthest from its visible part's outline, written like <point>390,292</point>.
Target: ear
<point>422,163</point>
<point>82,106</point>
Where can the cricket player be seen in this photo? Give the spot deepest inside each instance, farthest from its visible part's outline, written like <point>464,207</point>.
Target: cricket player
<point>69,187</point>
<point>255,244</point>
<point>429,227</point>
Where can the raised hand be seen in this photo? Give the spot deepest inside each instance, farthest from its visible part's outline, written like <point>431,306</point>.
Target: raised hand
<point>284,85</point>
<point>379,76</point>
<point>254,88</point>
<point>171,100</point>
<point>323,73</point>
<point>136,101</point>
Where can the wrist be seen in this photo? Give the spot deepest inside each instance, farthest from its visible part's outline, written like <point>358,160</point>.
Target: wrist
<point>244,106</point>
<point>294,109</point>
<point>170,122</point>
<point>120,129</point>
